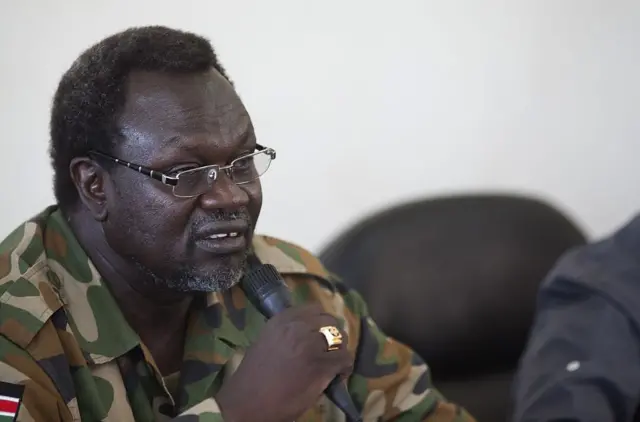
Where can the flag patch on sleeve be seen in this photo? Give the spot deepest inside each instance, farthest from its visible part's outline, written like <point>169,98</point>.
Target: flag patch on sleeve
<point>10,398</point>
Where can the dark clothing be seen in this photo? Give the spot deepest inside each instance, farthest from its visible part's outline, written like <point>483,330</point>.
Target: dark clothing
<point>582,362</point>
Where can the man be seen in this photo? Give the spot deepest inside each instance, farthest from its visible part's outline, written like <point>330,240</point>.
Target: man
<point>582,362</point>
<point>121,302</point>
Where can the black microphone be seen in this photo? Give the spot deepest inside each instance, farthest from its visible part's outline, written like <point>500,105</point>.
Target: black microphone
<point>268,292</point>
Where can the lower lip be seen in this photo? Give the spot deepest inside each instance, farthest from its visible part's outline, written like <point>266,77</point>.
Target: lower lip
<point>224,245</point>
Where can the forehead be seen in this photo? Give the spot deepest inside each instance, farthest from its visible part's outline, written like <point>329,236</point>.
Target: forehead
<point>165,112</point>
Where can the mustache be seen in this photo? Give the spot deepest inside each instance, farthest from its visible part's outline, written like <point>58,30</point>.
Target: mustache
<point>220,215</point>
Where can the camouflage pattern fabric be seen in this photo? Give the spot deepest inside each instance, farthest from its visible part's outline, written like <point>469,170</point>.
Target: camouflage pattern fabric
<point>64,338</point>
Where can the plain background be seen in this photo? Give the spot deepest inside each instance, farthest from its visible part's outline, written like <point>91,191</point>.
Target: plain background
<point>370,103</point>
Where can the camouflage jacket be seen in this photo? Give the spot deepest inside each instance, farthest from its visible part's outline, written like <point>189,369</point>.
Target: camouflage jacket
<point>66,344</point>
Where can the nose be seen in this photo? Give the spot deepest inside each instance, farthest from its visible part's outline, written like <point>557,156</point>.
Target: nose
<point>224,194</point>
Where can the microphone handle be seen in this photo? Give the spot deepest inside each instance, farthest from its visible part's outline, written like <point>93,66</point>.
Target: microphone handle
<point>275,302</point>
<point>337,392</point>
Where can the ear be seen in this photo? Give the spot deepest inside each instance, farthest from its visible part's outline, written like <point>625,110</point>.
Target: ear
<point>90,179</point>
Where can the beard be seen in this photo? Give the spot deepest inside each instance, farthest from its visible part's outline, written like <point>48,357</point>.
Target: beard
<point>226,271</point>
<point>224,276</point>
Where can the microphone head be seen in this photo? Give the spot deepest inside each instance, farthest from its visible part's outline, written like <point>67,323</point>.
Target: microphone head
<point>261,280</point>
<point>264,287</point>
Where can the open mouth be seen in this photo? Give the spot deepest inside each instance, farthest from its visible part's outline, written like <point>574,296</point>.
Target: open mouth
<point>223,243</point>
<point>224,235</point>
<point>223,238</point>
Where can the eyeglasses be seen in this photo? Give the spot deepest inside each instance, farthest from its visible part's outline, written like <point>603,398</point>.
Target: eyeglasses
<point>197,181</point>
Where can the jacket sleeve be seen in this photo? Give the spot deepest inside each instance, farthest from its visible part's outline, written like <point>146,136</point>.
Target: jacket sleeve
<point>39,401</point>
<point>582,361</point>
<point>390,382</point>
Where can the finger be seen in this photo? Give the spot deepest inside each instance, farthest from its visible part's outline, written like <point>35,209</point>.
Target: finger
<point>332,340</point>
<point>302,312</point>
<point>338,362</point>
<point>321,319</point>
<point>344,339</point>
<point>337,372</point>
<point>346,366</point>
<point>324,329</point>
<point>311,309</point>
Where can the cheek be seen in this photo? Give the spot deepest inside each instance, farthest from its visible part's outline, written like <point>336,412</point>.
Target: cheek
<point>255,201</point>
<point>144,217</point>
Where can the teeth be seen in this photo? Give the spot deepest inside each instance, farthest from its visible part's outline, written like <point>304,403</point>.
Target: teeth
<point>223,235</point>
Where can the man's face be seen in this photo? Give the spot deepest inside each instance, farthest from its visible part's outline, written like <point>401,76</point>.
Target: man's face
<point>172,123</point>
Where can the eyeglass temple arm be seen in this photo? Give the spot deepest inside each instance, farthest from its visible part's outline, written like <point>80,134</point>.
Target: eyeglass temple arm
<point>271,151</point>
<point>157,175</point>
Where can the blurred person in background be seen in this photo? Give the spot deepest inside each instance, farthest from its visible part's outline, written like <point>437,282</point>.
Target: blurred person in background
<point>123,300</point>
<point>582,361</point>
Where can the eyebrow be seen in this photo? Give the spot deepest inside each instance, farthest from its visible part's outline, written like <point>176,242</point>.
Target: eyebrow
<point>170,143</point>
<point>246,133</point>
<point>172,140</point>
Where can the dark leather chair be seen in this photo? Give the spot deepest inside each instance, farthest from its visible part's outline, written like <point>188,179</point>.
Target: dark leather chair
<point>456,279</point>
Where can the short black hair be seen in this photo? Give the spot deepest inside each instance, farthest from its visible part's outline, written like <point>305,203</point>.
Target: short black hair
<point>91,94</point>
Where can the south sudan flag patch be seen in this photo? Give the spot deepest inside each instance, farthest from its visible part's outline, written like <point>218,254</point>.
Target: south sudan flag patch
<point>10,398</point>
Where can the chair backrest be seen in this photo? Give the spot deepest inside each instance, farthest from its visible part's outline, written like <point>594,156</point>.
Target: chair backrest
<point>456,279</point>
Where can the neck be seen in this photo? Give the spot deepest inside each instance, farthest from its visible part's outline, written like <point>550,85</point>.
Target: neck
<point>152,312</point>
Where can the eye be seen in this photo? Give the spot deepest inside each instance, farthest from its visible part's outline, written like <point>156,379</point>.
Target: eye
<point>173,172</point>
<point>243,163</point>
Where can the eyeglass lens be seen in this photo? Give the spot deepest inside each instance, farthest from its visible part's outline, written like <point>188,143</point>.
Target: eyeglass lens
<point>242,170</point>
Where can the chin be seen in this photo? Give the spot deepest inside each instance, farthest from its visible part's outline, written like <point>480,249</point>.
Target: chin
<point>218,274</point>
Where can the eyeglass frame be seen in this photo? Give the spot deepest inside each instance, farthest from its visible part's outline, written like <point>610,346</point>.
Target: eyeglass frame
<point>214,169</point>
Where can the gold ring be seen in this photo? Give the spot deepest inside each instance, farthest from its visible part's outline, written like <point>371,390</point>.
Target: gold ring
<point>333,337</point>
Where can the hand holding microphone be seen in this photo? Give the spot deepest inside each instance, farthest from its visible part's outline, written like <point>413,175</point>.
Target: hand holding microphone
<point>298,355</point>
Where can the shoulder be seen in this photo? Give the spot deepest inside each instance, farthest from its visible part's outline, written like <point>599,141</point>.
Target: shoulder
<point>609,267</point>
<point>309,280</point>
<point>288,257</point>
<point>293,260</point>
<point>29,340</point>
<point>30,380</point>
<point>27,297</point>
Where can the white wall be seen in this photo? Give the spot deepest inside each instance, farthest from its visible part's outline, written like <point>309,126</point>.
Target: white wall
<point>369,102</point>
